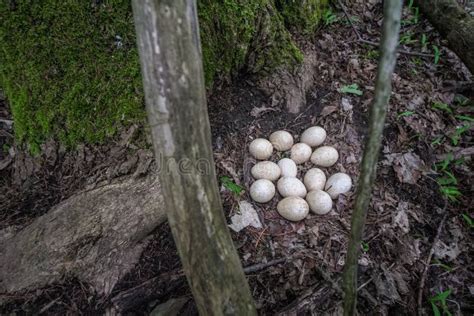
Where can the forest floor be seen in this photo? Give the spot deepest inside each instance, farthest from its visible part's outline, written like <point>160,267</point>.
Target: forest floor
<point>420,216</point>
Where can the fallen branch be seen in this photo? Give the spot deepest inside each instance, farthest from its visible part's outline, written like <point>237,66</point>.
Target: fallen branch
<point>427,264</point>
<point>149,290</point>
<point>159,286</point>
<point>261,266</point>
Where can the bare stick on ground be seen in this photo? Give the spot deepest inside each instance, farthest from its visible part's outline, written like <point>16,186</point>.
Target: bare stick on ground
<point>170,56</point>
<point>383,87</point>
<point>427,265</point>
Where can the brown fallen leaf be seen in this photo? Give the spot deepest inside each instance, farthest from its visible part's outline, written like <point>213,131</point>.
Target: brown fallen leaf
<point>328,110</point>
<point>408,167</point>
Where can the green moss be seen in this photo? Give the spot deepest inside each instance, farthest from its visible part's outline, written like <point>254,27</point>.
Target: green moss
<point>247,34</point>
<point>65,70</point>
<point>303,15</point>
<point>70,68</point>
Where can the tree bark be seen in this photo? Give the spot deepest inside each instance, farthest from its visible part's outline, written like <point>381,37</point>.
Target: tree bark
<point>383,88</point>
<point>454,24</point>
<point>96,235</point>
<point>170,56</point>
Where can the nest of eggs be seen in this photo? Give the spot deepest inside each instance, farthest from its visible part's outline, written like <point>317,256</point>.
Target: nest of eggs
<point>315,192</point>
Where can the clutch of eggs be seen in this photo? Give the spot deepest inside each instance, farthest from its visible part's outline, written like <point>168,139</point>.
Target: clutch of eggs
<point>315,193</point>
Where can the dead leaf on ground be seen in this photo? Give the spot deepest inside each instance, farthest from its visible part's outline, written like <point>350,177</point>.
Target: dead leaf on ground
<point>400,219</point>
<point>248,217</point>
<point>408,166</point>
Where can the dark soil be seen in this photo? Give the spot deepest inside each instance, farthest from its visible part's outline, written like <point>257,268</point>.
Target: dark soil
<point>405,212</point>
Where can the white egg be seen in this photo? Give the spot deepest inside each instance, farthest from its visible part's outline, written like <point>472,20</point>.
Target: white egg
<point>325,156</point>
<point>288,186</point>
<point>266,170</point>
<point>293,208</point>
<point>281,140</point>
<point>261,148</point>
<point>300,153</point>
<point>314,179</point>
<point>288,168</point>
<point>338,183</point>
<point>313,136</point>
<point>319,202</point>
<point>262,191</point>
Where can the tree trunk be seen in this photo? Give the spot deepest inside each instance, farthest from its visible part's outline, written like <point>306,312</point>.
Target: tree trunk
<point>170,55</point>
<point>454,24</point>
<point>383,88</point>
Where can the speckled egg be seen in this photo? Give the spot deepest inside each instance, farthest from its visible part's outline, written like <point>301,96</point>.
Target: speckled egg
<point>266,170</point>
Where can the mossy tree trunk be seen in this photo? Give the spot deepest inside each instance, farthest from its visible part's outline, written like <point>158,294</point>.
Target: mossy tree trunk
<point>454,24</point>
<point>170,56</point>
<point>253,35</point>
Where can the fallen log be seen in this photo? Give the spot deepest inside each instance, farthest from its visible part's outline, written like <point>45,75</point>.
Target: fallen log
<point>454,24</point>
<point>97,236</point>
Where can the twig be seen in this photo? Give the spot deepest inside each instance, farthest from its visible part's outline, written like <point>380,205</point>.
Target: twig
<point>349,19</point>
<point>372,278</point>
<point>261,266</point>
<point>427,263</point>
<point>362,40</point>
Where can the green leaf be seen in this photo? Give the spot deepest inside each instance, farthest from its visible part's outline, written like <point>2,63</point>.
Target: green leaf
<point>442,296</point>
<point>465,118</point>
<point>406,113</point>
<point>451,192</point>
<point>435,309</point>
<point>231,185</point>
<point>437,140</point>
<point>353,89</point>
<point>424,40</point>
<point>436,53</point>
<point>442,106</point>
<point>364,246</point>
<point>468,220</point>
<point>444,164</point>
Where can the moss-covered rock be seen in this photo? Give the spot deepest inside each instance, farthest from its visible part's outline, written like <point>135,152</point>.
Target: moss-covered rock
<point>70,68</point>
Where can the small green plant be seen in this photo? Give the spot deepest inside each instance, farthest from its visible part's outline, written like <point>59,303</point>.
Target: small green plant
<point>231,185</point>
<point>442,106</point>
<point>364,246</point>
<point>329,17</point>
<point>461,100</point>
<point>444,164</point>
<point>406,113</point>
<point>352,89</point>
<point>437,54</point>
<point>460,130</point>
<point>372,54</point>
<point>439,301</point>
<point>468,219</point>
<point>437,141</point>
<point>406,39</point>
<point>417,61</point>
<point>448,186</point>
<point>424,41</point>
<point>465,118</point>
<point>438,263</point>
<point>416,15</point>
<point>448,183</point>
